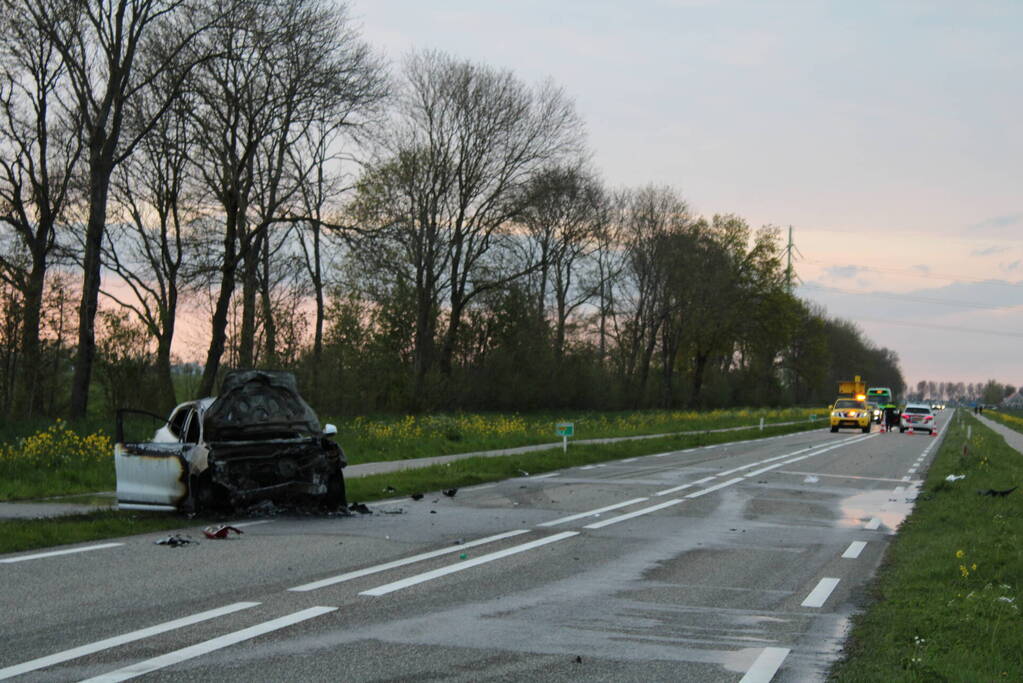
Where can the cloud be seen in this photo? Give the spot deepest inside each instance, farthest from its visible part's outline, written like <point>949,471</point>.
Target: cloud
<point>998,223</point>
<point>1015,265</point>
<point>844,272</point>
<point>988,251</point>
<point>921,268</point>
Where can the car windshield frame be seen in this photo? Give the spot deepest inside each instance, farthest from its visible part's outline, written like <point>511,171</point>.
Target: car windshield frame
<point>849,404</point>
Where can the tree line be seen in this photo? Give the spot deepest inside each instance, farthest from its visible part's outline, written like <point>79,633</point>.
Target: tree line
<point>249,182</point>
<point>991,392</point>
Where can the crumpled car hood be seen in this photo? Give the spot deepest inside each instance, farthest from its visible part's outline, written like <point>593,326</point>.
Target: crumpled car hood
<point>259,404</point>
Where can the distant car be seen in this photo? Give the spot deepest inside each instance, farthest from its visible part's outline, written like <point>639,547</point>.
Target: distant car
<point>257,441</point>
<point>917,416</point>
<point>850,412</point>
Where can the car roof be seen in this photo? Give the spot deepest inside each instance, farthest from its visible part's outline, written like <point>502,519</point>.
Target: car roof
<point>919,405</point>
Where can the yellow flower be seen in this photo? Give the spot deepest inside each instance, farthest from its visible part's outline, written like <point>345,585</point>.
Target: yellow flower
<point>960,554</point>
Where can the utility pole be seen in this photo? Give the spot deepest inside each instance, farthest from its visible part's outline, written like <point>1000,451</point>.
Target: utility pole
<point>788,267</point>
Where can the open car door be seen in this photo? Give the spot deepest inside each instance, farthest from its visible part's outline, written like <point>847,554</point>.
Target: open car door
<point>154,475</point>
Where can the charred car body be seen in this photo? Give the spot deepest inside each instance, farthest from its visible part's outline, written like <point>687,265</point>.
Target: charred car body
<point>257,441</point>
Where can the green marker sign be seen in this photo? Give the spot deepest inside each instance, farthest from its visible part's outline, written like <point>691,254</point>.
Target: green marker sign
<point>565,428</point>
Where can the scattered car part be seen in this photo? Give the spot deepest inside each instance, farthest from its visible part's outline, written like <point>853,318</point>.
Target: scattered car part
<point>220,532</point>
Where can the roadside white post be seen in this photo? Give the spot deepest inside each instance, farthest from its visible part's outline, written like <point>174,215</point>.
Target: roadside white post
<point>761,424</point>
<point>564,430</point>
<point>969,432</point>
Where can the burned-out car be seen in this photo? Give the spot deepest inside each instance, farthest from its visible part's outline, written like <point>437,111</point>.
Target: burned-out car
<point>257,441</point>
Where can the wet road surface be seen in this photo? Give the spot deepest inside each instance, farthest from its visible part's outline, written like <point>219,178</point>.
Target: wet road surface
<point>733,562</point>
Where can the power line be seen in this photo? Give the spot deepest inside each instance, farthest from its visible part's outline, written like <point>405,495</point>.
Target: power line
<point>947,328</point>
<point>915,273</point>
<point>903,297</point>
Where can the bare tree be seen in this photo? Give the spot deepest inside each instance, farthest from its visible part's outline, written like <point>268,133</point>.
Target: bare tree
<point>285,64</point>
<point>40,146</point>
<point>650,217</point>
<point>465,137</point>
<point>101,43</point>
<point>152,250</point>
<point>564,209</point>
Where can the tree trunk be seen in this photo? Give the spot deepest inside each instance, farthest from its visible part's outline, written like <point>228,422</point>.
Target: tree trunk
<point>218,336</point>
<point>269,326</point>
<point>99,187</point>
<point>28,400</point>
<point>250,286</point>
<point>699,367</point>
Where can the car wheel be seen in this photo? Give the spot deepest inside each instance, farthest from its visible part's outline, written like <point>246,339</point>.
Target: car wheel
<point>866,430</point>
<point>902,430</point>
<point>834,429</point>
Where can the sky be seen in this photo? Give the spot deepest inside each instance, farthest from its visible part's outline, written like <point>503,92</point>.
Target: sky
<point>886,134</point>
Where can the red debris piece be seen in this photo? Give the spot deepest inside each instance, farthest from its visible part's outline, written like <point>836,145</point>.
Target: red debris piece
<point>220,531</point>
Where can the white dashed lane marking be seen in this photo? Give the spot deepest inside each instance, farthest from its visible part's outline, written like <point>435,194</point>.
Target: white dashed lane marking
<point>820,594</point>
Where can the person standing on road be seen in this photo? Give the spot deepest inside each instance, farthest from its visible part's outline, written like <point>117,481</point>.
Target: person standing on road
<point>891,416</point>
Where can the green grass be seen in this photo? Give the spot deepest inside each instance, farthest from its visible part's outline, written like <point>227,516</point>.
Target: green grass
<point>401,438</point>
<point>28,534</point>
<point>1013,419</point>
<point>946,603</point>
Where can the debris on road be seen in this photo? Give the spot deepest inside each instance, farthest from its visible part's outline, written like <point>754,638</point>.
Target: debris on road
<point>220,532</point>
<point>176,540</point>
<point>955,477</point>
<point>360,508</point>
<point>416,496</point>
<point>450,493</point>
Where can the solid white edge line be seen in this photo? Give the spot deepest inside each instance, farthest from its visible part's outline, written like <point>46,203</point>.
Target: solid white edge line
<point>710,489</point>
<point>466,564</point>
<point>208,646</point>
<point>820,594</point>
<point>854,550</point>
<point>106,644</point>
<point>546,476</point>
<point>873,524</point>
<point>905,479</point>
<point>572,518</point>
<point>340,578</point>
<point>636,513</point>
<point>630,460</point>
<point>766,665</point>
<point>54,553</point>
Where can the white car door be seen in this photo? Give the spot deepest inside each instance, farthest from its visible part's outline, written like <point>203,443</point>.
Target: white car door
<point>154,475</point>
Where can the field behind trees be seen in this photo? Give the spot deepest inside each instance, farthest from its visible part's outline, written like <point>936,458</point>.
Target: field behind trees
<point>189,187</point>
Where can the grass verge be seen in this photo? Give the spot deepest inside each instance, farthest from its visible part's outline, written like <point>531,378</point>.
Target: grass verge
<point>946,603</point>
<point>480,470</point>
<point>19,535</point>
<point>29,534</point>
<point>60,460</point>
<point>1011,419</point>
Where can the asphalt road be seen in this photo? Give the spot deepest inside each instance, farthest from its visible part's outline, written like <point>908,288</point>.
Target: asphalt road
<point>725,563</point>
